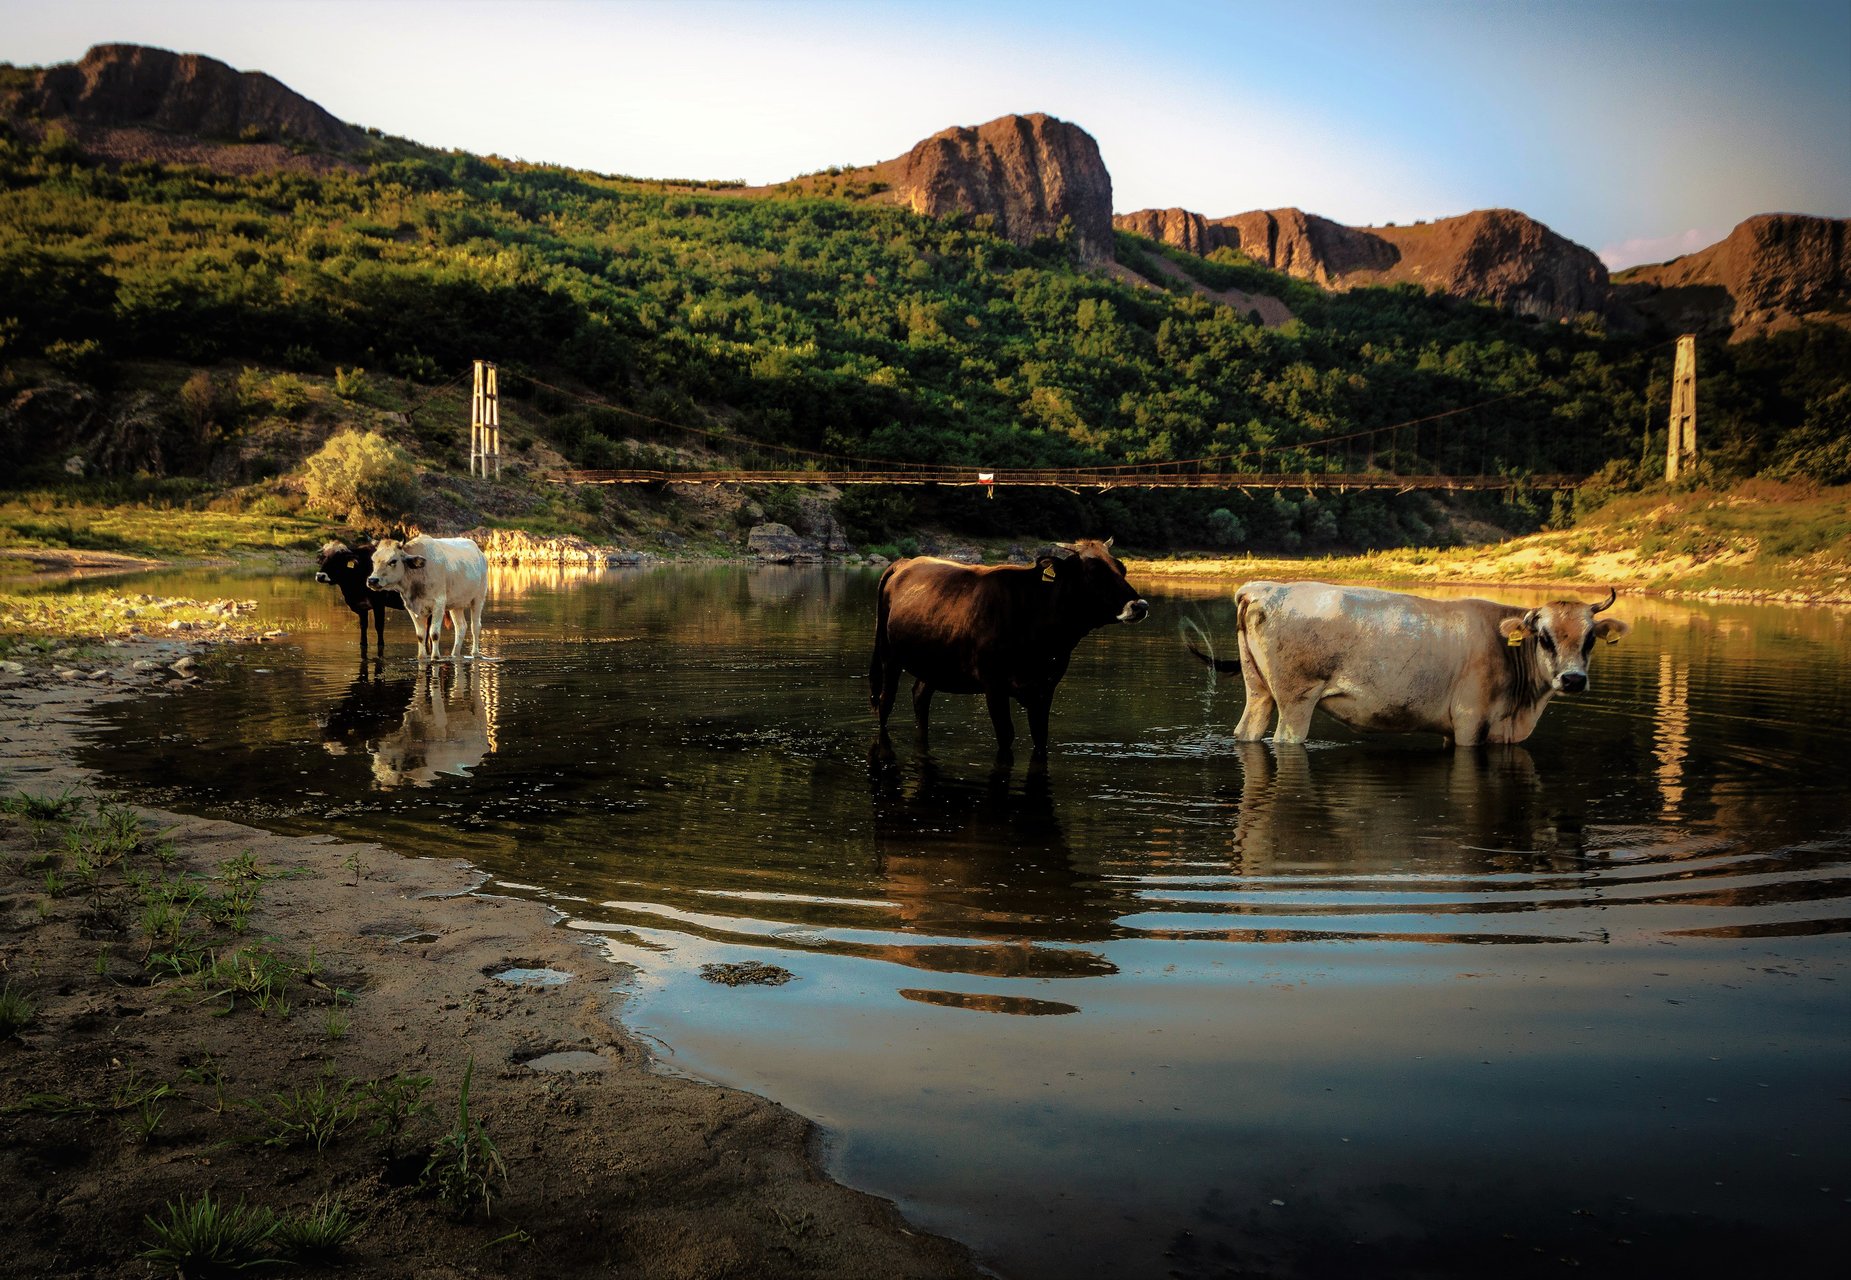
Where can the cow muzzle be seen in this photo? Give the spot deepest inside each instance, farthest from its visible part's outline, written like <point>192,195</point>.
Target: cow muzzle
<point>373,583</point>
<point>322,577</point>
<point>1136,611</point>
<point>1573,681</point>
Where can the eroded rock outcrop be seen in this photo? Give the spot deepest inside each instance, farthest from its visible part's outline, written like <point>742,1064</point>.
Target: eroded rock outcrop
<point>514,546</point>
<point>127,85</point>
<point>1770,273</point>
<point>1030,173</point>
<point>1187,230</point>
<point>1496,254</point>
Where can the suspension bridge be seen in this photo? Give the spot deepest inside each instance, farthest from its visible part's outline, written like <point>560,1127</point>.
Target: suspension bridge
<point>1168,476</point>
<point>1388,459</point>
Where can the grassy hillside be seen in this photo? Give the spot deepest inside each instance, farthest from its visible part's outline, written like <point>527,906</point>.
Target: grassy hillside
<point>820,324</point>
<point>1761,539</point>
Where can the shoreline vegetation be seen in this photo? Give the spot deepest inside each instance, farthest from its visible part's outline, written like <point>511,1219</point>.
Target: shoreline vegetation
<point>1760,541</point>
<point>222,1048</point>
<point>1782,542</point>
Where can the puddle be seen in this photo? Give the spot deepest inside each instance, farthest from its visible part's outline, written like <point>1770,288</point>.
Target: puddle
<point>533,977</point>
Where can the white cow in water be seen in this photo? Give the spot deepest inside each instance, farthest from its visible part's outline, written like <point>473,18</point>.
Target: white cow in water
<point>435,576</point>
<point>1472,670</point>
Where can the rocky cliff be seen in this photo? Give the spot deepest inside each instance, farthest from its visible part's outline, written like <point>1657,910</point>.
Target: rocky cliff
<point>126,86</point>
<point>1030,173</point>
<point>1770,273</point>
<point>515,546</point>
<point>1184,228</point>
<point>1496,254</point>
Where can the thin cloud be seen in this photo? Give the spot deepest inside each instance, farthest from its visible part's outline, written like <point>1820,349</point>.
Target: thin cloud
<point>1630,253</point>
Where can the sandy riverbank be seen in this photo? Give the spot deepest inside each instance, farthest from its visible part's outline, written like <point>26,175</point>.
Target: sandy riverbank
<point>130,1088</point>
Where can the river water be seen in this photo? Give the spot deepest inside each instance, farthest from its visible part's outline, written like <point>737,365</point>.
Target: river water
<point>1176,1006</point>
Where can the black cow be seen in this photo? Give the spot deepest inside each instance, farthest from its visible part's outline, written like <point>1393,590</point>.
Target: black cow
<point>346,567</point>
<point>1006,631</point>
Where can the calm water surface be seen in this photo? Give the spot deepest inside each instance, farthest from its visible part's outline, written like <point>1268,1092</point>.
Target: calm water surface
<point>1177,1006</point>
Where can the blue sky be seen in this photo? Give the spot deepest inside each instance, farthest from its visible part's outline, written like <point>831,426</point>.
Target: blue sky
<point>1642,130</point>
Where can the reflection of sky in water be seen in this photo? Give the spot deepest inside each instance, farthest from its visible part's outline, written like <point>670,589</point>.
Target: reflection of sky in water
<point>1099,1020</point>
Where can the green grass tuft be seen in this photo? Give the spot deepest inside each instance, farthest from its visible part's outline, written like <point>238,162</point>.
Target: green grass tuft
<point>465,1164</point>
<point>55,808</point>
<point>16,1012</point>
<point>205,1238</point>
<point>318,1235</point>
<point>310,1117</point>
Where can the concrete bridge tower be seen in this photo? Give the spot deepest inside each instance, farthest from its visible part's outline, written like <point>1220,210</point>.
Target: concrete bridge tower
<point>1681,431</point>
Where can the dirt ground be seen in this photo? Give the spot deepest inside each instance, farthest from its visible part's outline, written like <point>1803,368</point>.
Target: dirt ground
<point>302,992</point>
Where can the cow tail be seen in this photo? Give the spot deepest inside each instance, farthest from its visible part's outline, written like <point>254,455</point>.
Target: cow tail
<point>877,664</point>
<point>1219,664</point>
<point>1225,664</point>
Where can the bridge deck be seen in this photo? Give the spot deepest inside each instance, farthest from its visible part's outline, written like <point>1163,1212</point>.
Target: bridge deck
<point>1063,478</point>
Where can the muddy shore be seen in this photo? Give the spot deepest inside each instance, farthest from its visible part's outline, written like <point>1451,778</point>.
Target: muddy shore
<point>130,1089</point>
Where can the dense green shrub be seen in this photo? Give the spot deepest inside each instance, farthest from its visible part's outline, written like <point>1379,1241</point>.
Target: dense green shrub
<point>1225,528</point>
<point>199,400</point>
<point>351,384</point>
<point>361,478</point>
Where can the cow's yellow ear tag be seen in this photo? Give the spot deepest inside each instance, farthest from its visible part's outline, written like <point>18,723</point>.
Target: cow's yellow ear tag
<point>1514,640</point>
<point>350,564</point>
<point>1047,572</point>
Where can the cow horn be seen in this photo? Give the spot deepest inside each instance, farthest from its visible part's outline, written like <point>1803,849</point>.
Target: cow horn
<point>1109,542</point>
<point>1612,595</point>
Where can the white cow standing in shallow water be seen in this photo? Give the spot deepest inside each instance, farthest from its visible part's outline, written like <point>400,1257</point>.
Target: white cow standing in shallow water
<point>435,576</point>
<point>1472,670</point>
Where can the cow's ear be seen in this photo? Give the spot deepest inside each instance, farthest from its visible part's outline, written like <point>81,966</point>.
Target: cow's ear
<point>1611,629</point>
<point>1514,630</point>
<point>1050,556</point>
<point>414,562</point>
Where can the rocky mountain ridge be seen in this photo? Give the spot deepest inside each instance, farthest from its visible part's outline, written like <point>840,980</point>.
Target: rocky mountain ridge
<point>1496,254</point>
<point>1771,272</point>
<point>1034,177</point>
<point>1031,173</point>
<point>125,86</point>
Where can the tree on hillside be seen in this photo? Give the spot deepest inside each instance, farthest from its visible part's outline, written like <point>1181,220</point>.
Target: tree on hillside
<point>362,478</point>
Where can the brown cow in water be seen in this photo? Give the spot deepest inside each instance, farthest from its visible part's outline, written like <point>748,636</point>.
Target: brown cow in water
<point>1005,631</point>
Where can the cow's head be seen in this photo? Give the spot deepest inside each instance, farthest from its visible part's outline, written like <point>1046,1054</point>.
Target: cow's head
<point>1558,637</point>
<point>331,553</point>
<point>337,562</point>
<point>391,563</point>
<point>1090,583</point>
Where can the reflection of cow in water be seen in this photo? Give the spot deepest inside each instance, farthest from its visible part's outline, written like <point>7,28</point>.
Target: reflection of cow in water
<point>988,863</point>
<point>1397,811</point>
<point>448,728</point>
<point>368,711</point>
